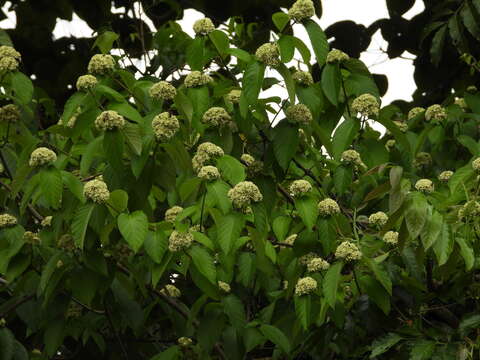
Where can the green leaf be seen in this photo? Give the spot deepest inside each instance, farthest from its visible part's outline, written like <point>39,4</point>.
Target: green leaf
<point>287,48</point>
<point>276,336</point>
<point>246,269</point>
<point>51,185</point>
<point>260,218</point>
<point>308,210</point>
<point>285,150</point>
<point>53,336</point>
<point>228,230</point>
<point>342,178</point>
<point>217,191</point>
<point>303,310</point>
<point>80,223</point>
<point>134,228</point>
<point>118,200</point>
<point>469,143</point>
<point>344,135</point>
<point>105,41</point>
<point>416,214</point>
<point>383,344</point>
<point>318,40</point>
<point>22,87</point>
<point>331,82</point>
<point>196,53</point>
<point>431,230</point>
<point>468,323</point>
<point>7,341</point>
<point>113,149</point>
<point>5,38</point>
<point>456,34</point>
<point>280,19</point>
<point>460,177</point>
<point>331,282</point>
<point>303,50</point>
<point>109,93</point>
<point>422,350</point>
<point>233,308</point>
<point>231,169</point>
<point>172,353</point>
<point>467,253</point>
<point>203,261</point>
<point>240,54</point>
<point>380,274</point>
<point>133,137</point>
<point>444,245</point>
<point>252,81</point>
<point>468,17</point>
<point>155,245</point>
<point>126,110</point>
<point>287,77</point>
<point>73,184</point>
<point>220,41</point>
<point>90,155</point>
<point>437,45</point>
<point>280,226</point>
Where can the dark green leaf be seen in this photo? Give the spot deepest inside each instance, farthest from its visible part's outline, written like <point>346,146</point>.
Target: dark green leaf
<point>331,282</point>
<point>80,223</point>
<point>276,336</point>
<point>134,228</point>
<point>318,40</point>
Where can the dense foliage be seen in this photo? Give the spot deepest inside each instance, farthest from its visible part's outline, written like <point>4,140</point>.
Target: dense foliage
<point>197,218</point>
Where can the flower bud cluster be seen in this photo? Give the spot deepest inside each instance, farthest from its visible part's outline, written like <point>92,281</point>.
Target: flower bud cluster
<point>203,26</point>
<point>162,90</point>
<point>243,194</point>
<point>206,153</point>
<point>328,207</point>
<point>7,220</point>
<point>379,218</point>
<point>101,64</point>
<point>301,10</point>
<point>269,54</point>
<point>299,188</point>
<point>179,241</point>
<point>348,251</point>
<point>391,237</point>
<point>305,286</point>
<point>425,185</point>
<point>97,191</point>
<point>336,56</point>
<point>42,156</point>
<point>216,116</point>
<point>86,82</point>
<point>435,113</point>
<point>165,126</point>
<point>9,113</point>
<point>109,120</point>
<point>367,105</point>
<point>172,213</point>
<point>299,114</point>
<point>196,78</point>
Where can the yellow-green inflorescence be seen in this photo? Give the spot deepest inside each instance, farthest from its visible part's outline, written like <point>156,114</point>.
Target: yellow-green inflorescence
<point>269,54</point>
<point>203,26</point>
<point>424,185</point>
<point>8,64</point>
<point>299,188</point>
<point>422,159</point>
<point>179,241</point>
<point>47,221</point>
<point>301,10</point>
<point>351,157</point>
<point>461,102</point>
<point>101,64</point>
<point>367,105</point>
<point>379,218</point>
<point>328,207</point>
<point>184,341</point>
<point>109,120</point>
<point>234,96</point>
<point>96,190</point>
<point>225,287</point>
<point>7,220</point>
<point>196,79</point>
<point>42,156</point>
<point>299,114</point>
<point>435,113</point>
<point>414,112</point>
<point>9,113</point>
<point>391,237</point>
<point>470,210</point>
<point>337,56</point>
<point>348,251</point>
<point>172,213</point>
<point>302,78</point>
<point>206,153</point>
<point>476,164</point>
<point>86,82</point>
<point>8,51</point>
<point>444,176</point>
<point>162,90</point>
<point>216,116</point>
<point>208,173</point>
<point>165,126</point>
<point>305,286</point>
<point>243,194</point>
<point>317,264</point>
<point>171,290</point>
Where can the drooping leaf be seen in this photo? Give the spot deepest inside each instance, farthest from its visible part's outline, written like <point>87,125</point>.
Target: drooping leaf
<point>318,40</point>
<point>80,223</point>
<point>203,262</point>
<point>331,282</point>
<point>383,344</point>
<point>276,336</point>
<point>134,228</point>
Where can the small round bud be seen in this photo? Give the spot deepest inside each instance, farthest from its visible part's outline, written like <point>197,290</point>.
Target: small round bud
<point>109,120</point>
<point>101,64</point>
<point>209,173</point>
<point>351,157</point>
<point>196,78</point>
<point>179,241</point>
<point>348,251</point>
<point>435,113</point>
<point>303,78</point>
<point>299,114</point>
<point>367,105</point>
<point>268,54</point>
<point>74,311</point>
<point>476,164</point>
<point>172,213</point>
<point>402,126</point>
<point>225,287</point>
<point>42,156</point>
<point>390,144</point>
<point>379,218</point>
<point>8,51</point>
<point>234,96</point>
<point>165,126</point>
<point>425,186</point>
<point>184,341</point>
<point>203,26</point>
<point>59,263</point>
<point>96,191</point>
<point>171,290</point>
<point>336,56</point>
<point>31,238</point>
<point>243,194</point>
<point>462,103</point>
<point>391,237</point>
<point>9,113</point>
<point>299,188</point>
<point>8,64</point>
<point>305,286</point>
<point>445,175</point>
<point>301,10</point>
<point>414,112</point>
<point>216,116</point>
<point>305,259</point>
<point>86,82</point>
<point>317,264</point>
<point>162,90</point>
<point>472,89</point>
<point>7,220</point>
<point>328,207</point>
<point>206,153</point>
<point>247,159</point>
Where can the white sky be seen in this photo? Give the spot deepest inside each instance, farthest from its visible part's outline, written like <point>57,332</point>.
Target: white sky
<point>399,71</point>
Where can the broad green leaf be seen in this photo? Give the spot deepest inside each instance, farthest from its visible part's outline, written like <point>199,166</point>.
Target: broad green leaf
<point>380,274</point>
<point>331,82</point>
<point>344,135</point>
<point>203,261</point>
<point>90,155</point>
<point>342,178</point>
<point>126,110</point>
<point>51,185</point>
<point>109,93</point>
<point>422,350</point>
<point>431,230</point>
<point>134,228</point>
<point>113,149</point>
<point>156,244</point>
<point>469,323</point>
<point>53,336</point>
<point>285,150</point>
<point>280,226</point>
<point>287,48</point>
<point>376,293</point>
<point>196,53</point>
<point>308,210</point>
<point>246,269</point>
<point>280,19</point>
<point>228,230</point>
<point>303,310</point>
<point>118,201</point>
<point>287,77</point>
<point>383,344</point>
<point>416,214</point>
<point>240,54</point>
<point>133,138</point>
<point>7,344</point>
<point>460,177</point>
<point>22,87</point>
<point>467,252</point>
<point>437,45</point>
<point>220,41</point>
<point>172,353</point>
<point>260,218</point>
<point>443,247</point>
<point>80,223</point>
<point>217,191</point>
<point>233,308</point>
<point>276,336</point>
<point>5,40</point>
<point>469,143</point>
<point>303,50</point>
<point>73,184</point>
<point>331,282</point>
<point>105,41</point>
<point>231,169</point>
<point>252,81</point>
<point>318,40</point>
